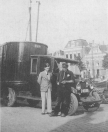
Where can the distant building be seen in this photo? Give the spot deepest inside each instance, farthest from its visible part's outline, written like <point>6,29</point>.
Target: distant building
<point>75,48</point>
<point>59,53</point>
<point>50,54</point>
<point>94,59</point>
<point>92,56</point>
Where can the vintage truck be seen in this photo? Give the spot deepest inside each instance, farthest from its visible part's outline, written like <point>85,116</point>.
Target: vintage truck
<point>20,65</point>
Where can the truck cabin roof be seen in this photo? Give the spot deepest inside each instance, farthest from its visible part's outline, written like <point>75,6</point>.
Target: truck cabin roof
<point>57,58</point>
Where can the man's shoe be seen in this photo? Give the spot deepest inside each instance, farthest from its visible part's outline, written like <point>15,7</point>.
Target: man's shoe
<point>43,113</point>
<point>63,115</point>
<point>53,114</point>
<point>48,112</point>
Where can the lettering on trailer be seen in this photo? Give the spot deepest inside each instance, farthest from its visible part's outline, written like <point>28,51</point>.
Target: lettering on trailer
<point>37,46</point>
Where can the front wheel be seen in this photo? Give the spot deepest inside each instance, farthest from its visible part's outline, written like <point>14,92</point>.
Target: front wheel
<point>9,98</point>
<point>95,105</point>
<point>73,104</point>
<point>96,96</point>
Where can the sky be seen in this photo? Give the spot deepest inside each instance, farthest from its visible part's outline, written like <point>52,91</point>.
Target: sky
<point>59,21</point>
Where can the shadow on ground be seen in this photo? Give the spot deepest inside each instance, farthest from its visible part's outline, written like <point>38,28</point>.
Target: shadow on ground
<point>23,103</point>
<point>82,122</point>
<point>88,123</point>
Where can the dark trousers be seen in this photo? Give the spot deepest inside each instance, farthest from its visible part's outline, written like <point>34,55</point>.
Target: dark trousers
<point>63,99</point>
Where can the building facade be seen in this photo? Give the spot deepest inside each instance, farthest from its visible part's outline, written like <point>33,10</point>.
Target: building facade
<point>91,54</point>
<point>59,53</point>
<point>75,48</point>
<point>94,60</point>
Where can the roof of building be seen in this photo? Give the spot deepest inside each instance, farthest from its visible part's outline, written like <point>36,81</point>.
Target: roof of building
<point>78,42</point>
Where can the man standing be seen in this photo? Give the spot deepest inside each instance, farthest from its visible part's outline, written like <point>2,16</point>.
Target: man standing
<point>65,81</point>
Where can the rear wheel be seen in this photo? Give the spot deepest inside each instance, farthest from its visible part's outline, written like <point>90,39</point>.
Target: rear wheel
<point>9,98</point>
<point>73,104</point>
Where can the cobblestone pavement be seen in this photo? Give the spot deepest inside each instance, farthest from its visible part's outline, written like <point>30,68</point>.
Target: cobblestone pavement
<point>29,119</point>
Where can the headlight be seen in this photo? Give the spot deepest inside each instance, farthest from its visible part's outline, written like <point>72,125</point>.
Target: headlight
<point>91,86</point>
<point>87,84</point>
<point>78,86</point>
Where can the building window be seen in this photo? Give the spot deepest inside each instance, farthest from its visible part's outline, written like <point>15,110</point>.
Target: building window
<point>33,66</point>
<point>78,54</point>
<point>74,56</point>
<point>97,63</point>
<point>70,56</point>
<point>100,63</point>
<point>66,55</point>
<point>1,51</point>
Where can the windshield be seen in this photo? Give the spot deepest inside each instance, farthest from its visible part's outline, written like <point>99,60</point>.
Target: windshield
<point>74,69</point>
<point>71,66</point>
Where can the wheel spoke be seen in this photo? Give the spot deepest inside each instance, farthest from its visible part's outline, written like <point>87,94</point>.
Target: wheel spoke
<point>10,98</point>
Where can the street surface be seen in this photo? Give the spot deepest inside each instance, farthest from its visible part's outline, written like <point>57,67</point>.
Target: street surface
<point>29,119</point>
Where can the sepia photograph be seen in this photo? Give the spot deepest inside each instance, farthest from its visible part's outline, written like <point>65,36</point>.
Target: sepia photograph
<point>53,65</point>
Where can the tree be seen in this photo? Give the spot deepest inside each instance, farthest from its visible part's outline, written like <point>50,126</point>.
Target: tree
<point>81,64</point>
<point>105,61</point>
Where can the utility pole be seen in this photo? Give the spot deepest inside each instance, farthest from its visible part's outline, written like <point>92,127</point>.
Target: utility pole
<point>82,52</point>
<point>37,19</point>
<point>92,60</point>
<point>30,29</point>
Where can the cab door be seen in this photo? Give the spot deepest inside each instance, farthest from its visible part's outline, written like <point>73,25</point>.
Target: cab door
<point>37,66</point>
<point>34,72</point>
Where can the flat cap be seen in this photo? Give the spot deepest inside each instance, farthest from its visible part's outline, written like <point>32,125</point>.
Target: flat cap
<point>64,65</point>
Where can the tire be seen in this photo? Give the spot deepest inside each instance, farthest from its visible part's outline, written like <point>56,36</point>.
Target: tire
<point>92,109</point>
<point>73,104</point>
<point>96,96</point>
<point>9,99</point>
<point>96,105</point>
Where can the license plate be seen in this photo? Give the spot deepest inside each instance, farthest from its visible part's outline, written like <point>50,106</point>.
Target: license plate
<point>85,90</point>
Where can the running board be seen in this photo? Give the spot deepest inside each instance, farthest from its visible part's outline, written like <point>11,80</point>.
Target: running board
<point>29,97</point>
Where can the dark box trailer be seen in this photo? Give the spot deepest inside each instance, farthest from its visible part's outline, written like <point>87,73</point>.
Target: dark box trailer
<point>17,70</point>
